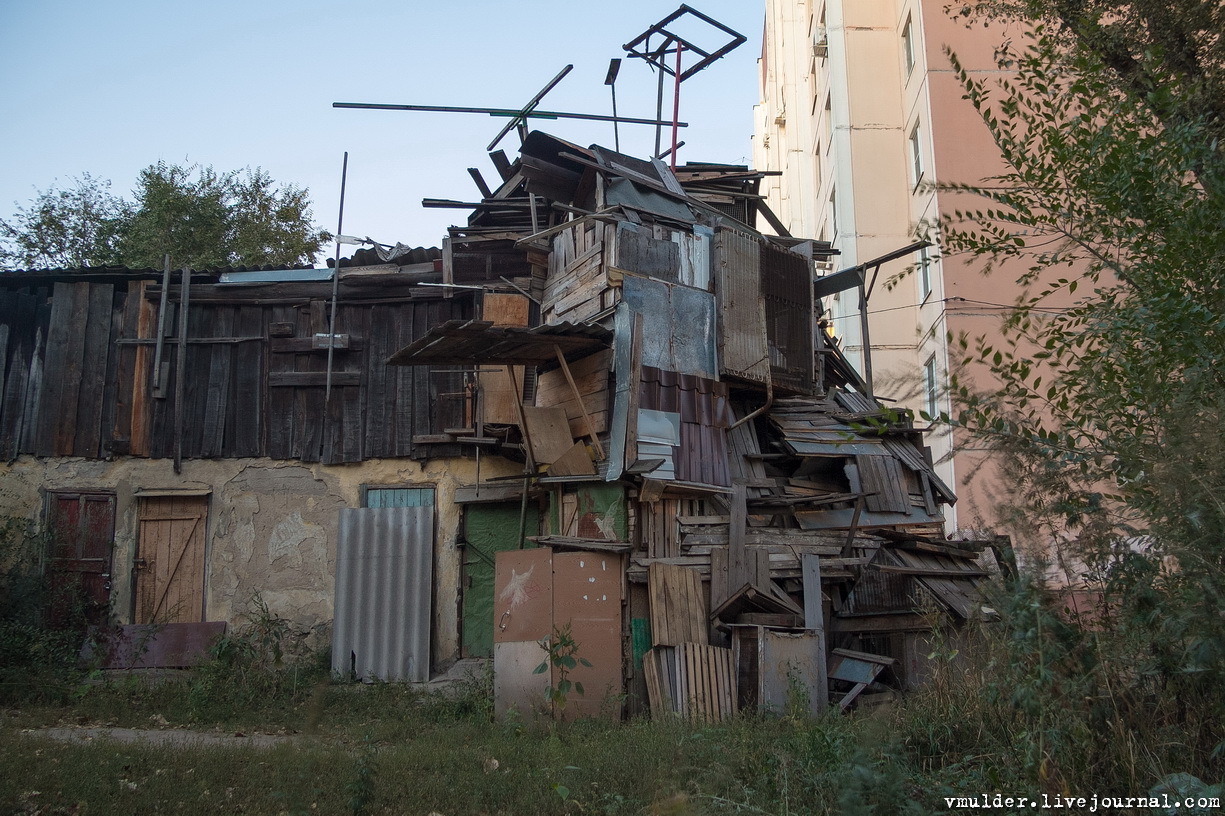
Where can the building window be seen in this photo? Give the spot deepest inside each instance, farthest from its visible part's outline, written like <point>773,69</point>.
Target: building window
<point>391,496</point>
<point>916,157</point>
<point>833,211</point>
<point>931,388</point>
<point>924,268</point>
<point>828,130</point>
<point>908,46</point>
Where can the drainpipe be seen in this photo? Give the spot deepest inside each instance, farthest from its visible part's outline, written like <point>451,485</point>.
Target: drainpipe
<point>762,409</point>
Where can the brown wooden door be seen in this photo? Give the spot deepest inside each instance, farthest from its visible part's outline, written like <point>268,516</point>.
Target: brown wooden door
<point>82,537</point>
<point>170,559</point>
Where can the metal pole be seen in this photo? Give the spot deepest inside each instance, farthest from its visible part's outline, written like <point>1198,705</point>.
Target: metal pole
<point>180,376</point>
<point>616,124</point>
<point>340,228</point>
<point>676,104</point>
<point>864,340</point>
<point>159,382</point>
<point>659,109</point>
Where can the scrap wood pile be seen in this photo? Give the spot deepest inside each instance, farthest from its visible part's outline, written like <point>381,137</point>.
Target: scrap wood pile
<point>636,331</point>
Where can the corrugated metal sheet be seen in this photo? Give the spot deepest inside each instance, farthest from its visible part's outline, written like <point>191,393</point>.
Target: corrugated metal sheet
<point>742,318</point>
<point>786,289</point>
<point>384,580</point>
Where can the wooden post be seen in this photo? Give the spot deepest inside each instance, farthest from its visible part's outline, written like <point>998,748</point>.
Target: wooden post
<point>180,375</point>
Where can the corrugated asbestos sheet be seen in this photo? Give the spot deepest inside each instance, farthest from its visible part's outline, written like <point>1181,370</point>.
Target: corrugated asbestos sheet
<point>742,317</point>
<point>384,575</point>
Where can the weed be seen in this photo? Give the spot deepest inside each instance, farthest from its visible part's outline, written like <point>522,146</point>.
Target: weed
<point>561,653</point>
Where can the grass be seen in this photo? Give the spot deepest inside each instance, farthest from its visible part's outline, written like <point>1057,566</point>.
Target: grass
<point>1037,706</point>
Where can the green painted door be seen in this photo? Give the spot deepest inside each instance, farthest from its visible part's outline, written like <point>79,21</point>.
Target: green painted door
<point>488,530</point>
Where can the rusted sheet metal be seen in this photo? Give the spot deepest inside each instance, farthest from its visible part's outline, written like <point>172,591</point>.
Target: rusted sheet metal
<point>786,289</point>
<point>742,318</point>
<point>678,326</point>
<point>384,578</point>
<point>154,646</point>
<point>701,450</point>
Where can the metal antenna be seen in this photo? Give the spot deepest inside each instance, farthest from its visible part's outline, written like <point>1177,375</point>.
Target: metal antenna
<point>610,79</point>
<point>671,43</point>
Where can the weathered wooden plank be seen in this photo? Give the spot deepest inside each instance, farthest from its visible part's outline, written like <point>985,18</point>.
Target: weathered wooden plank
<point>281,401</point>
<point>95,358</point>
<point>65,356</point>
<point>217,391</point>
<point>247,408</point>
<point>309,409</point>
<point>313,379</point>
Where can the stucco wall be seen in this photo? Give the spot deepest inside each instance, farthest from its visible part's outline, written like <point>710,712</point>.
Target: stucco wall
<point>271,527</point>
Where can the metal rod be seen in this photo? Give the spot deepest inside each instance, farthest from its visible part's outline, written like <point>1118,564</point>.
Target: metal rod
<point>659,111</point>
<point>864,340</point>
<point>676,104</point>
<point>616,123</point>
<point>518,118</point>
<point>158,385</point>
<point>533,114</point>
<point>181,375</point>
<point>340,228</point>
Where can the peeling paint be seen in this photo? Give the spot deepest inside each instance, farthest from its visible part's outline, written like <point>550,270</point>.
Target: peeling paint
<point>271,527</point>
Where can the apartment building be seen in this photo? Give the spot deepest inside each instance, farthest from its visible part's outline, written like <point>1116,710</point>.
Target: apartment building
<point>860,111</point>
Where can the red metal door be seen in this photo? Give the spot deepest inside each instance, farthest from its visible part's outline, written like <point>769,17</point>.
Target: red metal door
<point>82,538</point>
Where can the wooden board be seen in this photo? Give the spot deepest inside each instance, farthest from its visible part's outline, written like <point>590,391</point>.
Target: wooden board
<point>549,433</point>
<point>574,462</point>
<point>591,376</point>
<point>678,605</point>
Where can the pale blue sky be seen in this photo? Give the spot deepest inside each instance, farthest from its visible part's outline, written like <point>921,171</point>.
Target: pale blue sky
<point>110,86</point>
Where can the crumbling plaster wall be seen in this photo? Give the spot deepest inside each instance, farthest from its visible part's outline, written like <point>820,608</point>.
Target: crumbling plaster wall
<point>271,526</point>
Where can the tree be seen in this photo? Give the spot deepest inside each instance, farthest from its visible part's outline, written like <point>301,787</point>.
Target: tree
<point>66,227</point>
<point>1109,408</point>
<point>205,219</point>
<point>201,218</point>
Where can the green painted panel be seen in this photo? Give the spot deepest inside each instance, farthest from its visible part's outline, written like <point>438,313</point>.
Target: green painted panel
<point>400,497</point>
<point>488,530</point>
<point>641,631</point>
<point>600,507</point>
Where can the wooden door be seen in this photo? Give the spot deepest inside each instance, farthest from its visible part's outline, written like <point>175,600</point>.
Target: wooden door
<point>170,559</point>
<point>82,537</point>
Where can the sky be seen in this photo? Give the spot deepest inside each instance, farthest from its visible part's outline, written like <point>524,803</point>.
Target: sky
<point>108,87</point>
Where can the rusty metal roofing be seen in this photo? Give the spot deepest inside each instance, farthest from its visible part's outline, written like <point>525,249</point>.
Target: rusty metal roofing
<point>480,342</point>
<point>705,414</point>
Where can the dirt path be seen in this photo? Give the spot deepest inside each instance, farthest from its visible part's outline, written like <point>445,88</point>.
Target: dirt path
<point>173,737</point>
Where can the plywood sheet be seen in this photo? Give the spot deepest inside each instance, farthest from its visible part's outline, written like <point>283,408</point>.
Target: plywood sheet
<point>587,598</point>
<point>548,432</point>
<point>523,596</point>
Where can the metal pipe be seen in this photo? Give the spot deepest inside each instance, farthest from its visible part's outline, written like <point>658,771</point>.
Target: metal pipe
<point>340,228</point>
<point>158,383</point>
<point>676,104</point>
<point>536,114</point>
<point>759,411</point>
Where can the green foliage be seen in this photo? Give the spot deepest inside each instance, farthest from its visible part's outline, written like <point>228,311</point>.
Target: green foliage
<point>205,219</point>
<point>76,226</point>
<point>200,217</point>
<point>1108,388</point>
<point>561,653</point>
<point>38,661</point>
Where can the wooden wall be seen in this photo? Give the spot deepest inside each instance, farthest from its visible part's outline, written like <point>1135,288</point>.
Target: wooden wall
<point>78,375</point>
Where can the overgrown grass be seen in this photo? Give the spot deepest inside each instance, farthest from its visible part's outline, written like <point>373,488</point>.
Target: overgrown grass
<point>1039,704</point>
